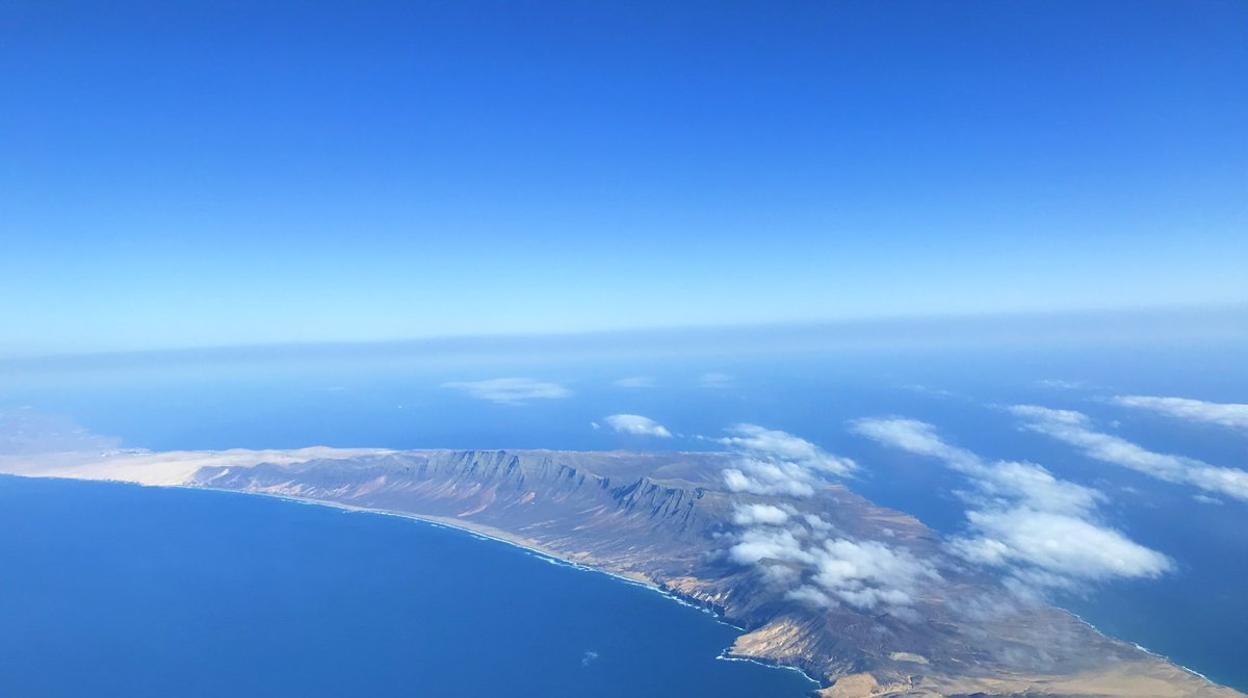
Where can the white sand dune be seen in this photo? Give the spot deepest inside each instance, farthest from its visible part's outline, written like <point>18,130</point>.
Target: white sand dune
<point>163,468</point>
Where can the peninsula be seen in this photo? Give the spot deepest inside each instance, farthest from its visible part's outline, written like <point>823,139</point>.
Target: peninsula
<point>863,599</point>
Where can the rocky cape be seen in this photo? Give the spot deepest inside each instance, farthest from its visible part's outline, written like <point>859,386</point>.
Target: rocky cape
<point>667,519</point>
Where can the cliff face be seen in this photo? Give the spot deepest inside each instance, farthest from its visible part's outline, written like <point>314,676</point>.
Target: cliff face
<point>666,518</point>
<point>627,523</point>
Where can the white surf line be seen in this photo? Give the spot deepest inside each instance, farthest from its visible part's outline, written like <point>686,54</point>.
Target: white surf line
<point>533,552</point>
<point>1140,647</point>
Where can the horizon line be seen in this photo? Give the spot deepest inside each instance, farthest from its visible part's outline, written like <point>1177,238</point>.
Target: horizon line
<point>968,320</point>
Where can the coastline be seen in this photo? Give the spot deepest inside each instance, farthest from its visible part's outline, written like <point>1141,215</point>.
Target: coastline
<point>1127,680</point>
<point>554,557</point>
<point>479,531</point>
<point>1138,646</point>
<point>532,548</point>
<point>476,530</point>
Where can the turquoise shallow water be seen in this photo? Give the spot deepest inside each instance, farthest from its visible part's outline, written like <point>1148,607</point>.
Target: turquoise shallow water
<point>110,589</point>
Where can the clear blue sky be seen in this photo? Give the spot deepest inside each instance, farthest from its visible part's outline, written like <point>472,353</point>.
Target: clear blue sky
<point>191,174</point>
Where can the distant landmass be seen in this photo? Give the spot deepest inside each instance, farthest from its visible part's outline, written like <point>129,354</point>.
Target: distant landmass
<point>673,521</point>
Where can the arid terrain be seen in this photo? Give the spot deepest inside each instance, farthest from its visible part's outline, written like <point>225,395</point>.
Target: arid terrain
<point>861,598</point>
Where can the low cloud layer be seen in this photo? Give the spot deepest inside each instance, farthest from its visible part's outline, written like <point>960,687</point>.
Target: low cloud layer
<point>634,382</point>
<point>510,391</point>
<point>1076,429</point>
<point>798,555</point>
<point>638,425</point>
<point>1227,414</point>
<point>1008,480</point>
<point>715,380</point>
<point>766,514</point>
<point>1054,549</point>
<point>802,554</point>
<point>777,462</point>
<point>1045,531</point>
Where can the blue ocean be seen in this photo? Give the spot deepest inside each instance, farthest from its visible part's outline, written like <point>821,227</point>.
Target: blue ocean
<point>254,596</point>
<point>115,590</point>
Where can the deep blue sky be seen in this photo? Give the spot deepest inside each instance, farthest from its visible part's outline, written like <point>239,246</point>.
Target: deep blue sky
<point>189,174</point>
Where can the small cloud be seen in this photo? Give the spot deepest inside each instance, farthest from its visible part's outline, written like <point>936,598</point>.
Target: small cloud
<point>766,514</point>
<point>1059,384</point>
<point>864,574</point>
<point>1026,482</point>
<point>588,658</point>
<point>1077,430</point>
<point>1226,414</point>
<point>761,477</point>
<point>868,574</point>
<point>769,544</point>
<point>637,424</point>
<point>510,391</point>
<point>774,444</point>
<point>801,554</point>
<point>818,525</point>
<point>1059,547</point>
<point>1205,499</point>
<point>929,390</point>
<point>634,382</point>
<point>595,426</point>
<point>1045,530</point>
<point>715,380</point>
<point>777,462</point>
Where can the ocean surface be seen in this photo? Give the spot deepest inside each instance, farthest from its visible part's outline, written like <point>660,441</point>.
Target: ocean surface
<point>116,590</point>
<point>146,584</point>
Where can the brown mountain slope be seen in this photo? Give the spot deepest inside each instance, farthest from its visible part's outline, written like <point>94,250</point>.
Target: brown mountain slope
<point>667,519</point>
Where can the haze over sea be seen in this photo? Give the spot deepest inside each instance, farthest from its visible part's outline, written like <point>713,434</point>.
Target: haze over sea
<point>315,601</point>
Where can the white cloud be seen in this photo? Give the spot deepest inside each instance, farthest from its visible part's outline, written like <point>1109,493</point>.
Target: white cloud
<point>1061,544</point>
<point>810,595</point>
<point>798,553</point>
<point>1060,384</point>
<point>751,514</point>
<point>777,462</point>
<point>1043,529</point>
<point>1023,481</point>
<point>816,523</point>
<point>867,574</point>
<point>510,391</point>
<point>916,437</point>
<point>1227,414</point>
<point>637,424</point>
<point>772,444</point>
<point>768,477</point>
<point>826,571</point>
<point>1075,428</point>
<point>769,543</point>
<point>634,382</point>
<point>715,380</point>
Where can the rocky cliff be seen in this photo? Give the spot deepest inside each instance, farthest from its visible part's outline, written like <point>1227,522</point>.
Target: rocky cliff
<point>668,519</point>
